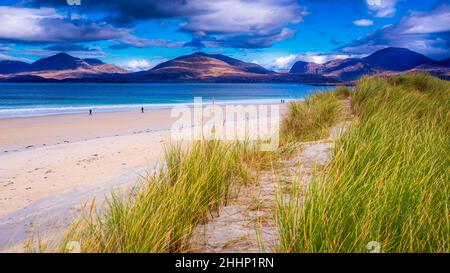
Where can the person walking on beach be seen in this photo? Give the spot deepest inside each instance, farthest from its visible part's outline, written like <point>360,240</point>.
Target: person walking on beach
<point>142,109</point>
<point>90,112</point>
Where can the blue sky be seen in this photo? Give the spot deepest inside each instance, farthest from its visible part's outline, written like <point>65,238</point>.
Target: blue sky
<point>138,34</point>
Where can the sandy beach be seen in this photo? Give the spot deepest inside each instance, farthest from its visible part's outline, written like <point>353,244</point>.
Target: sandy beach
<point>50,166</point>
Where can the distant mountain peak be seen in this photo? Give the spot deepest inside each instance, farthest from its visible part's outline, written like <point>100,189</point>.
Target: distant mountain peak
<point>392,49</point>
<point>62,54</point>
<point>59,66</point>
<point>200,53</point>
<point>396,59</point>
<point>201,63</point>
<point>60,61</point>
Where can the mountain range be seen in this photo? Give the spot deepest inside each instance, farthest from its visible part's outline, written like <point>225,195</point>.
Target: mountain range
<point>59,66</point>
<point>386,61</point>
<point>203,67</point>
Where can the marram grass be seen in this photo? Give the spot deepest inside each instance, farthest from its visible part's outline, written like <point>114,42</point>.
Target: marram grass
<point>389,180</point>
<point>161,214</point>
<point>310,119</point>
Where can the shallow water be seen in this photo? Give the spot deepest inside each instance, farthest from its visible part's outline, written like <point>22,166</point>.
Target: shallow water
<point>38,99</point>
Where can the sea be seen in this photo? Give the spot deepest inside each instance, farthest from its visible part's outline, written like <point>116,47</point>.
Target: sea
<point>41,99</point>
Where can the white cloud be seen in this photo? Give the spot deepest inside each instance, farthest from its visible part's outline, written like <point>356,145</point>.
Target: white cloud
<point>286,62</point>
<point>363,22</point>
<point>24,22</point>
<point>235,16</point>
<point>243,23</point>
<point>11,58</point>
<point>47,25</point>
<point>434,22</point>
<point>382,8</point>
<point>137,65</point>
<point>424,32</point>
<point>322,58</point>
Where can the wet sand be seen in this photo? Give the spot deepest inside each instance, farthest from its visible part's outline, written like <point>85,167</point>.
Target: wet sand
<point>25,133</point>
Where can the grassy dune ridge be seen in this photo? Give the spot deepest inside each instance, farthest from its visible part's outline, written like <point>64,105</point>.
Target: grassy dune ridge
<point>389,180</point>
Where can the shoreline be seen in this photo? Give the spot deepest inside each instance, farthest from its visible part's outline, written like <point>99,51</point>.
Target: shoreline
<point>27,133</point>
<point>124,108</point>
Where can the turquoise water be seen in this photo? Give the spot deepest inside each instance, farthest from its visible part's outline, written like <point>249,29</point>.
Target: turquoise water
<point>21,100</point>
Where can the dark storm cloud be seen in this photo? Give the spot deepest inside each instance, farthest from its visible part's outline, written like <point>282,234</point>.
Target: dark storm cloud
<point>124,12</point>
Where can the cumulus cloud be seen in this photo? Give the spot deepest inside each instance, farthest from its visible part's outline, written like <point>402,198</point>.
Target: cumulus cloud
<point>230,23</point>
<point>363,22</point>
<point>424,32</point>
<point>382,8</point>
<point>47,25</point>
<point>245,24</point>
<point>137,65</point>
<point>236,16</point>
<point>422,23</point>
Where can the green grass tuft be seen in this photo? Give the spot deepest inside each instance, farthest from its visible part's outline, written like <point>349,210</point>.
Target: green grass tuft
<point>389,180</point>
<point>310,119</point>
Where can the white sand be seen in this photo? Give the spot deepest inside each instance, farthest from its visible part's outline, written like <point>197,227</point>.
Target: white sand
<point>40,184</point>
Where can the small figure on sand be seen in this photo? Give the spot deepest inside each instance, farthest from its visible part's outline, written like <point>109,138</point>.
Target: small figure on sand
<point>90,112</point>
<point>142,109</point>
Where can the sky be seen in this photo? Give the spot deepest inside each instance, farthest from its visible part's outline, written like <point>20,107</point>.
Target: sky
<point>138,34</point>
